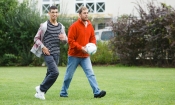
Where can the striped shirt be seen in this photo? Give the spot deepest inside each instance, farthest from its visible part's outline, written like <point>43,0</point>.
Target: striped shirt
<point>51,40</point>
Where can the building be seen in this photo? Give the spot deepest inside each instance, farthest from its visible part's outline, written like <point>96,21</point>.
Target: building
<point>100,11</point>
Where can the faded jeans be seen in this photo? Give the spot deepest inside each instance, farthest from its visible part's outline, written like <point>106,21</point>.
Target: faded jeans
<point>73,63</point>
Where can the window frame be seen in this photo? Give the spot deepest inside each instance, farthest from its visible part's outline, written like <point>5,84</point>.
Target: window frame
<point>50,3</point>
<point>95,2</point>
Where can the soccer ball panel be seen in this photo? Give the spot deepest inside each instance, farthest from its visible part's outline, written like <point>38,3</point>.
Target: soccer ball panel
<point>91,48</point>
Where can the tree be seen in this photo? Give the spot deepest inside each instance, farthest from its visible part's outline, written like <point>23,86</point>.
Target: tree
<point>147,39</point>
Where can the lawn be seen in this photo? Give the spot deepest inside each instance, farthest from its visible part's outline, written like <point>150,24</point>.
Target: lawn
<point>124,86</point>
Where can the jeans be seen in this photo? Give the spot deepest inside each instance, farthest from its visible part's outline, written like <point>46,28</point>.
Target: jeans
<point>52,71</point>
<point>73,63</point>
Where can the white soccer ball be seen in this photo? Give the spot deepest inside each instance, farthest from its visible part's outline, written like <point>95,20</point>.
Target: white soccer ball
<point>91,48</point>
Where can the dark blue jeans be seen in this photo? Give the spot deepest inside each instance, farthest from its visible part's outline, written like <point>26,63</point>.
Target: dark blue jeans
<point>52,71</point>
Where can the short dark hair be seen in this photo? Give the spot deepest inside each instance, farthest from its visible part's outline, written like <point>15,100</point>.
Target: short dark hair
<point>81,9</point>
<point>53,7</point>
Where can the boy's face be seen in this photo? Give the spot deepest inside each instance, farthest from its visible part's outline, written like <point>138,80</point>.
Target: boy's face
<point>53,13</point>
<point>84,15</point>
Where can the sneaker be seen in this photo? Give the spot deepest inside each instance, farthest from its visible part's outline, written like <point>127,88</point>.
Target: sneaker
<point>36,95</point>
<point>39,94</point>
<point>63,96</point>
<point>101,94</point>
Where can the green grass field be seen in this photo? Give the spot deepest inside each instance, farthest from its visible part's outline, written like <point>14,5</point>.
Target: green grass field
<point>124,86</point>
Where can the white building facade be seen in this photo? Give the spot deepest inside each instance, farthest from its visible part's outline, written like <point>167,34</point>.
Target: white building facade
<point>101,11</point>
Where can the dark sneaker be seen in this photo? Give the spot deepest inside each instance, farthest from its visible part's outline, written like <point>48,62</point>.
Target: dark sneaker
<point>63,96</point>
<point>101,94</point>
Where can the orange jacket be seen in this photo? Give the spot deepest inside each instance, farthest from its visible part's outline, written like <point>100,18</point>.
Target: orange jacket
<point>78,36</point>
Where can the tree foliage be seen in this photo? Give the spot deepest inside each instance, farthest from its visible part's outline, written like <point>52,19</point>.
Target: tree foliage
<point>19,24</point>
<point>148,39</point>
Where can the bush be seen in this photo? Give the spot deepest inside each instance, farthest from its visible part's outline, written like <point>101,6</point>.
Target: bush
<point>147,39</point>
<point>21,26</point>
<point>6,7</point>
<point>103,55</point>
<point>20,23</point>
<point>8,60</point>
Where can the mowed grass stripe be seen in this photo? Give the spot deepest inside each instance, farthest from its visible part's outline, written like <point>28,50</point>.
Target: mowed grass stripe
<point>124,86</point>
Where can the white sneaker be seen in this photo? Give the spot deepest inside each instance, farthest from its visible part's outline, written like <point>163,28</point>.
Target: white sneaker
<point>36,95</point>
<point>39,94</point>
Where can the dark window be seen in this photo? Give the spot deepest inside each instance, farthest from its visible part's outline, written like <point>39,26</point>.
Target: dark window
<point>107,35</point>
<point>78,6</point>
<point>101,25</point>
<point>90,7</point>
<point>100,7</point>
<point>46,8</point>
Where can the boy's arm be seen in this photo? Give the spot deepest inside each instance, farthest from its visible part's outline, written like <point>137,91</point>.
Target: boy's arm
<point>37,38</point>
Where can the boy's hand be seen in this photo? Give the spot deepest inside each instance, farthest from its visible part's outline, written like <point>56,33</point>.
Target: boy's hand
<point>83,49</point>
<point>46,51</point>
<point>61,37</point>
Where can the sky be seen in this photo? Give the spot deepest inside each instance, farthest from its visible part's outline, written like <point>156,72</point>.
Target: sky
<point>128,6</point>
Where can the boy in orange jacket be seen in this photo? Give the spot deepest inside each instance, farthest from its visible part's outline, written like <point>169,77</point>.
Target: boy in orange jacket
<point>80,33</point>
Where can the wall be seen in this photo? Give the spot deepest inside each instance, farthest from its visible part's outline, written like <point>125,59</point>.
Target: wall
<point>119,7</point>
